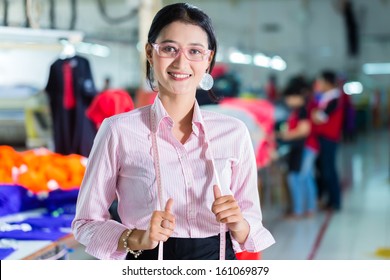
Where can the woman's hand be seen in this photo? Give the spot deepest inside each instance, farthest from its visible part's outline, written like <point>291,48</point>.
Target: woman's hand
<point>227,211</point>
<point>162,224</point>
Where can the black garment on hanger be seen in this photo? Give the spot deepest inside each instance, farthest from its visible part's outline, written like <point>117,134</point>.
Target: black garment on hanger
<point>352,29</point>
<point>73,131</point>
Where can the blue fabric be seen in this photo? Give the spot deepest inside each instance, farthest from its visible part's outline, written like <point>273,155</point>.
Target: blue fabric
<point>15,199</point>
<point>302,185</point>
<point>307,173</point>
<point>295,185</point>
<point>33,235</point>
<point>62,199</point>
<point>5,252</point>
<point>46,222</point>
<point>60,206</point>
<point>43,228</point>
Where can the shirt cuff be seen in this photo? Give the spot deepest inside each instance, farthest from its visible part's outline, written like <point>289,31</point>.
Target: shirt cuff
<point>257,240</point>
<point>104,243</point>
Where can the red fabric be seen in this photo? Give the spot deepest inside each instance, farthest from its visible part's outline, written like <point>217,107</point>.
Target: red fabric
<point>219,70</point>
<point>293,120</point>
<point>263,112</point>
<point>271,91</point>
<point>248,255</point>
<point>109,103</point>
<point>69,99</point>
<point>332,128</point>
<point>144,98</point>
<point>312,140</point>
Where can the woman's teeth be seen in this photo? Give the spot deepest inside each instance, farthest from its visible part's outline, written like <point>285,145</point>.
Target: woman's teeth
<point>179,76</point>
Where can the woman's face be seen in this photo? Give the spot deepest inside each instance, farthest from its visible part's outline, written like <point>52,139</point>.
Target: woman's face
<point>178,76</point>
<point>295,101</point>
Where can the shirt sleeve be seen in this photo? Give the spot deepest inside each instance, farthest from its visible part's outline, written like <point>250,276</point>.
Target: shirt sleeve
<point>245,189</point>
<point>92,225</point>
<point>331,107</point>
<point>303,114</point>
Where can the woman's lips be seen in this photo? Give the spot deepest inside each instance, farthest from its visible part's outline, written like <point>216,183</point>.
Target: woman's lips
<point>179,76</point>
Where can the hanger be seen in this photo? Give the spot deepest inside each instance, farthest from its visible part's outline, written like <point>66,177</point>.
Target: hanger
<point>68,50</point>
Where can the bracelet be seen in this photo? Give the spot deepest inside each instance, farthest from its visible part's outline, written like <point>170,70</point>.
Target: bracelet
<point>128,250</point>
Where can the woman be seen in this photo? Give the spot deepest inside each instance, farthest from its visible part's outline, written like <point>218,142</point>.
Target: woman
<point>303,151</point>
<point>163,162</point>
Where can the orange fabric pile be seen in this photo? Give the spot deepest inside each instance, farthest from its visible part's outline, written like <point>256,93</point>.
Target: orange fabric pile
<point>41,170</point>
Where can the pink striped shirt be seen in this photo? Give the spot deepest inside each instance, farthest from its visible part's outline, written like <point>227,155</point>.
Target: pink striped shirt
<point>121,164</point>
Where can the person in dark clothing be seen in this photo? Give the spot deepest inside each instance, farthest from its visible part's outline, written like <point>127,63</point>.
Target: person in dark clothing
<point>71,89</point>
<point>303,151</point>
<point>328,119</point>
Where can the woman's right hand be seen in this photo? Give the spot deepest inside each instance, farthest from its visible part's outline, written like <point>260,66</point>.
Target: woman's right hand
<point>162,224</point>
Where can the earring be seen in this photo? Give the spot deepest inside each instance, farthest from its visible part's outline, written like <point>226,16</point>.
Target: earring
<point>207,82</point>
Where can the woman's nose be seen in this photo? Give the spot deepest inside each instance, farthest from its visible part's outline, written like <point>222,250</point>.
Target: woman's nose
<point>180,58</point>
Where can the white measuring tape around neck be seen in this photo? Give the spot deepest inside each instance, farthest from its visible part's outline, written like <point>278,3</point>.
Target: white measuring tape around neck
<point>157,167</point>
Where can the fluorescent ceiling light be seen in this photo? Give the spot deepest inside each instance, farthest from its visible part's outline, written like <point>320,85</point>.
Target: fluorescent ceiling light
<point>240,58</point>
<point>278,63</point>
<point>376,68</point>
<point>259,59</point>
<point>353,88</point>
<point>262,60</point>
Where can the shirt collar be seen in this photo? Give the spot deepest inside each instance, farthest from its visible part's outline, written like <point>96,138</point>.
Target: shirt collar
<point>329,95</point>
<point>197,120</point>
<point>160,114</point>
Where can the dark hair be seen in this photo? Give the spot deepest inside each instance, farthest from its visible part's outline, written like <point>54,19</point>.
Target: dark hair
<point>329,77</point>
<point>296,86</point>
<point>292,90</point>
<point>186,13</point>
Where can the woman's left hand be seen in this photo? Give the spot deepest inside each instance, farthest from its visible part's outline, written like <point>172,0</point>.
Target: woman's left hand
<point>227,211</point>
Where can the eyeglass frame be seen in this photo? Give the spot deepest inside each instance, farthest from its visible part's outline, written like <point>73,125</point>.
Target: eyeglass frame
<point>156,47</point>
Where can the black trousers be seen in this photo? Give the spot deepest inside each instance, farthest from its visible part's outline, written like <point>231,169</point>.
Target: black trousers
<point>189,249</point>
<point>329,179</point>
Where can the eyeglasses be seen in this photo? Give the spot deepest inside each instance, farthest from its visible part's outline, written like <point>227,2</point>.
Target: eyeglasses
<point>170,50</point>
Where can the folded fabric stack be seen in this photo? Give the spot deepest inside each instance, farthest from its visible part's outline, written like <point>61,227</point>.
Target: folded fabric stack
<point>40,170</point>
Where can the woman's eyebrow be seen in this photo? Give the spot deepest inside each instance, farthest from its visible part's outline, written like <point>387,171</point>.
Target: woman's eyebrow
<point>197,44</point>
<point>175,42</point>
<point>168,41</point>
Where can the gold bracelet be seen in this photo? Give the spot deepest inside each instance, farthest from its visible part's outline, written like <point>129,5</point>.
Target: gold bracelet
<point>128,250</point>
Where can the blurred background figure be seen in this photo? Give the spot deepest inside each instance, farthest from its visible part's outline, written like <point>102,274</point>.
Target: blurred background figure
<point>303,150</point>
<point>328,119</point>
<point>107,83</point>
<point>271,89</point>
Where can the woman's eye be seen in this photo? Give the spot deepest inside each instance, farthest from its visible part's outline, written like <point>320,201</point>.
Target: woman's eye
<point>195,51</point>
<point>169,49</point>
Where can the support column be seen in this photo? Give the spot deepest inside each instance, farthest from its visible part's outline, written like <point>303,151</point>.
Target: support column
<point>147,10</point>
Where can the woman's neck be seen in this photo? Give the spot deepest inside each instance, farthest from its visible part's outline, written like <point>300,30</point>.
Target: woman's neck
<point>179,108</point>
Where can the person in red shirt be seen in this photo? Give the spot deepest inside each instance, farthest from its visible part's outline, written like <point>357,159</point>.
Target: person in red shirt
<point>303,151</point>
<point>328,119</point>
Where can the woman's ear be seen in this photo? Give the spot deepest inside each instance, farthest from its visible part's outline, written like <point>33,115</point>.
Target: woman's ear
<point>211,56</point>
<point>149,52</point>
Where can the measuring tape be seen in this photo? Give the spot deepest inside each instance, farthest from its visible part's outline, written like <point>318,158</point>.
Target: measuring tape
<point>222,228</point>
